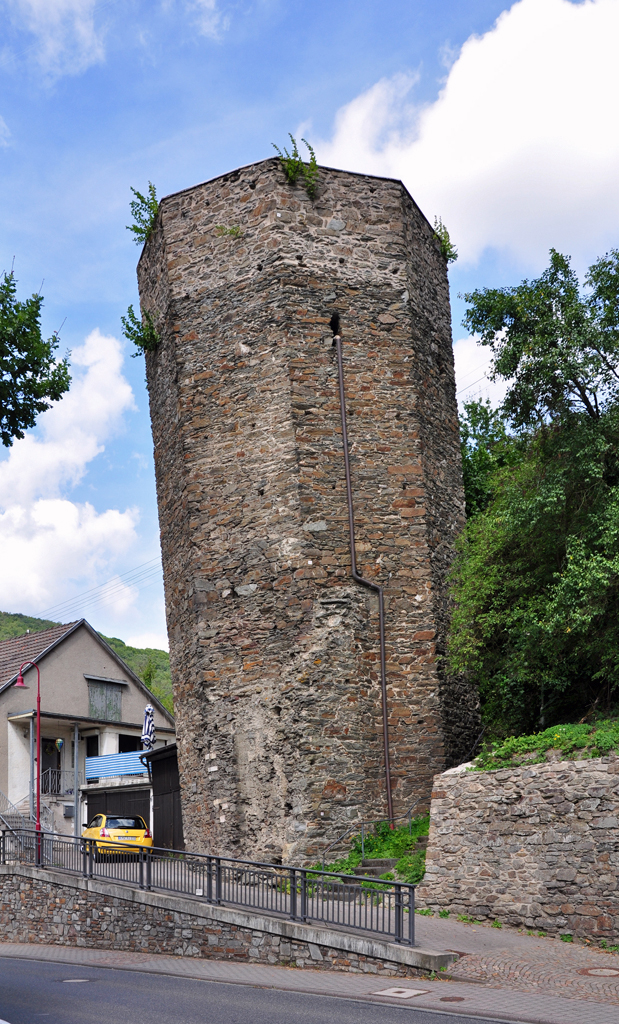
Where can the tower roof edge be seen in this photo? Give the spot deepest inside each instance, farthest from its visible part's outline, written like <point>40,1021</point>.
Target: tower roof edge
<point>272,159</point>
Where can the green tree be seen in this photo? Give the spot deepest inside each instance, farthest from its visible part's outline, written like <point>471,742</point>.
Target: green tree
<point>536,579</point>
<point>144,210</point>
<point>558,349</point>
<point>486,446</point>
<point>31,375</point>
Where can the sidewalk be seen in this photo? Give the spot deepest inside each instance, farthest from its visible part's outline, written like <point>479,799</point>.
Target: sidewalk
<point>503,975</point>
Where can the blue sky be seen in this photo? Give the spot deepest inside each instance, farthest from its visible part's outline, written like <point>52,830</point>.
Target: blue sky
<point>506,128</point>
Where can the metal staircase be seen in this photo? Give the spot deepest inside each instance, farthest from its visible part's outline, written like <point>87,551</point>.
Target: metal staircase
<point>13,818</point>
<point>10,817</point>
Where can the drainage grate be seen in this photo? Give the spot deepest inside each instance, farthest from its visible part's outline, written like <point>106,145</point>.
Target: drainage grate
<point>600,972</point>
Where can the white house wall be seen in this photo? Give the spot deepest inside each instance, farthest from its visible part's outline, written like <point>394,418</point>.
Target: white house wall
<point>18,752</point>
<point>64,691</point>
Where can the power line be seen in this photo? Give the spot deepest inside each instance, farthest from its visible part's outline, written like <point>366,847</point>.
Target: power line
<point>485,377</point>
<point>140,576</point>
<point>471,372</point>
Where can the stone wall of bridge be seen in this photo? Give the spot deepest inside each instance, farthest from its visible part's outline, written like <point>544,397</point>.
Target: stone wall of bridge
<point>45,906</point>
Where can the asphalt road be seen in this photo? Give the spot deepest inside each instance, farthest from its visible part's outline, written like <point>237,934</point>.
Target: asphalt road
<point>34,991</point>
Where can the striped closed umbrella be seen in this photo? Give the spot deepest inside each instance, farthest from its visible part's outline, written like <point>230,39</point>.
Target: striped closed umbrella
<point>148,732</point>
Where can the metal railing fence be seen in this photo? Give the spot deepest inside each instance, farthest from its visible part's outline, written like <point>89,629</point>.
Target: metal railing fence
<point>59,781</point>
<point>346,902</point>
<point>362,828</point>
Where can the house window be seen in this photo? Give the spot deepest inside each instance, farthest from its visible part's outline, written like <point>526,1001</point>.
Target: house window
<point>104,701</point>
<point>127,744</point>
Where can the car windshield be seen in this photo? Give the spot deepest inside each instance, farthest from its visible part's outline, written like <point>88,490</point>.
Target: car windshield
<point>125,823</point>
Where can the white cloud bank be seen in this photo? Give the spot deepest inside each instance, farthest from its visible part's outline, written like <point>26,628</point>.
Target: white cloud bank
<point>520,151</point>
<point>67,40</point>
<point>208,18</point>
<point>50,545</point>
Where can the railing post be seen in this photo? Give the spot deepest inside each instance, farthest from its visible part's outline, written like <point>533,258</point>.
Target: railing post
<point>84,860</point>
<point>303,895</point>
<point>91,857</point>
<point>398,912</point>
<point>4,846</point>
<point>141,870</point>
<point>149,859</point>
<point>362,842</point>
<point>293,894</point>
<point>218,880</point>
<point>411,915</point>
<point>209,879</point>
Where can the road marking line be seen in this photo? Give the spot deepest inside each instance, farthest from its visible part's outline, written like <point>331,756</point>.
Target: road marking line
<point>401,993</point>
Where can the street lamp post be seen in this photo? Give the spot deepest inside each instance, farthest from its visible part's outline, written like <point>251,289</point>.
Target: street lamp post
<point>20,685</point>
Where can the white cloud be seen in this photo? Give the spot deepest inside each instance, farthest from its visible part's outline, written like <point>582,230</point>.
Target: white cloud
<point>67,39</point>
<point>472,364</point>
<point>52,546</point>
<point>74,429</point>
<point>5,134</point>
<point>158,641</point>
<point>519,151</point>
<point>209,19</point>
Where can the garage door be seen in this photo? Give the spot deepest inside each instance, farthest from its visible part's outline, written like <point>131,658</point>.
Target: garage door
<point>119,803</point>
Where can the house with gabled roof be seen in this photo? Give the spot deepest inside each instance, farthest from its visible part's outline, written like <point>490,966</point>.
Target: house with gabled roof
<point>92,706</point>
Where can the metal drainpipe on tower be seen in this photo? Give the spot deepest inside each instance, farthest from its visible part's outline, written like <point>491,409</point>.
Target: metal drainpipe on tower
<point>337,340</point>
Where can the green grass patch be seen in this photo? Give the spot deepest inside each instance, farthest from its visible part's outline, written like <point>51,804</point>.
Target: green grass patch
<point>384,843</point>
<point>573,742</point>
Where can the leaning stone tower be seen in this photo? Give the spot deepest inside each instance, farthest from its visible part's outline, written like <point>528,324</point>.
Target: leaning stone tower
<point>275,648</point>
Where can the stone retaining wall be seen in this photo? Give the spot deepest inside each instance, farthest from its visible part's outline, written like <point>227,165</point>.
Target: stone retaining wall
<point>47,907</point>
<point>534,846</point>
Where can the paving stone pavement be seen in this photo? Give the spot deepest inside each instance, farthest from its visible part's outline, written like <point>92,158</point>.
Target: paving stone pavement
<point>519,993</point>
<point>502,975</point>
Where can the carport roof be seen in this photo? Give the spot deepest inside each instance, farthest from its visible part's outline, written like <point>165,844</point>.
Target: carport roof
<point>16,716</point>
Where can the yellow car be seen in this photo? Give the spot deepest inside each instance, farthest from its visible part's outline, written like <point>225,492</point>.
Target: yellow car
<point>120,833</point>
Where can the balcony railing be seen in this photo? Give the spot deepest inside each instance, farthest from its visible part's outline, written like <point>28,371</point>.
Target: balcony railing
<point>109,765</point>
<point>59,782</point>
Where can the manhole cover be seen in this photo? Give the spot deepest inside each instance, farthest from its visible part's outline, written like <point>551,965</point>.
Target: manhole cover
<point>451,999</point>
<point>600,972</point>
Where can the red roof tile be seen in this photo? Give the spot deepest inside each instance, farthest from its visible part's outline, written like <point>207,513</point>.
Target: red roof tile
<point>28,647</point>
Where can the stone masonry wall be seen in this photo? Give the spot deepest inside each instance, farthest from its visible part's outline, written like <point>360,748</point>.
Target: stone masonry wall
<point>37,909</point>
<point>535,847</point>
<point>274,649</point>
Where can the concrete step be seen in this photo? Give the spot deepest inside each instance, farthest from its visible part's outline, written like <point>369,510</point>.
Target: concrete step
<point>376,866</point>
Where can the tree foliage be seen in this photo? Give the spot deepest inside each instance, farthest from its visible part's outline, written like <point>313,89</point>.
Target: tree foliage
<point>144,210</point>
<point>558,349</point>
<point>486,447</point>
<point>448,249</point>
<point>31,375</point>
<point>142,332</point>
<point>295,167</point>
<point>536,579</point>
